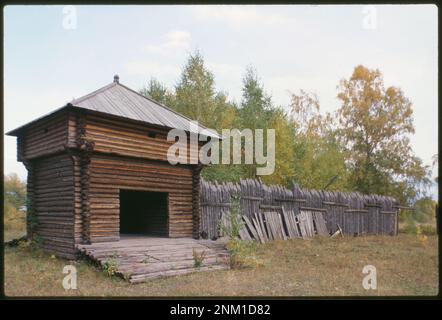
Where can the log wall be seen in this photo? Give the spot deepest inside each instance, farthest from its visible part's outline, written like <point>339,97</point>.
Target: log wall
<point>109,174</point>
<point>53,204</point>
<point>45,137</point>
<point>123,138</point>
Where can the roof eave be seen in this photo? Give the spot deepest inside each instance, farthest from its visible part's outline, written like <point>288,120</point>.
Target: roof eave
<point>15,132</point>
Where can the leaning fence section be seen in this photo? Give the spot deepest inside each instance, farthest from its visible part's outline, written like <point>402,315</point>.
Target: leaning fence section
<point>275,212</point>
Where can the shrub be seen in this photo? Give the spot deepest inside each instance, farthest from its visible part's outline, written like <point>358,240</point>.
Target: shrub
<point>198,258</point>
<point>428,229</point>
<point>242,253</point>
<point>424,210</point>
<point>410,227</point>
<point>234,223</point>
<point>110,266</point>
<point>36,241</point>
<point>14,219</point>
<point>14,201</point>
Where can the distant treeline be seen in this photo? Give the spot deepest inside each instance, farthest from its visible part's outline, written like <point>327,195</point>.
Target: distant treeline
<point>363,146</point>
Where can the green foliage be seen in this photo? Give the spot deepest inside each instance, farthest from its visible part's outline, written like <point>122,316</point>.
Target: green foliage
<point>425,210</point>
<point>420,220</point>
<point>284,149</point>
<point>155,90</point>
<point>428,229</point>
<point>198,258</point>
<point>234,222</point>
<point>254,112</point>
<point>14,204</point>
<point>256,105</point>
<point>222,172</point>
<point>196,97</point>
<point>243,253</point>
<point>410,227</point>
<point>435,163</point>
<point>318,157</point>
<point>36,241</point>
<point>364,146</point>
<point>14,190</point>
<point>374,126</point>
<point>31,218</point>
<point>316,162</point>
<point>110,266</point>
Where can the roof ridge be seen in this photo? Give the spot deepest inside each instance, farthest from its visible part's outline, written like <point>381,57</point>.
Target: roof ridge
<point>93,93</point>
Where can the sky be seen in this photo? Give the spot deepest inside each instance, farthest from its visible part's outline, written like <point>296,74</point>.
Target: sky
<point>53,54</point>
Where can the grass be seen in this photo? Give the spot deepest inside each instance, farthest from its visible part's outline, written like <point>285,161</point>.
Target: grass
<point>14,229</point>
<point>406,265</point>
<point>13,234</point>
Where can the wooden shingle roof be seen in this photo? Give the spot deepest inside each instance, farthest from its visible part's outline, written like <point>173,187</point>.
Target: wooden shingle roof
<point>118,100</point>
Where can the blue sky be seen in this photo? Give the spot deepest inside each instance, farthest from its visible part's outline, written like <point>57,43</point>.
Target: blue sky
<point>292,48</point>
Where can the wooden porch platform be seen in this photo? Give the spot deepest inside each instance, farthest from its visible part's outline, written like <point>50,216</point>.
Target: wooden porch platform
<point>138,258</point>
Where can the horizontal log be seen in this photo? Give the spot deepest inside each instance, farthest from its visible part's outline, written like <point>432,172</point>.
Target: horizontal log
<point>356,211</point>
<point>389,212</point>
<point>252,198</point>
<point>265,206</point>
<point>313,209</point>
<point>337,204</point>
<point>290,200</point>
<point>215,204</point>
<point>375,205</point>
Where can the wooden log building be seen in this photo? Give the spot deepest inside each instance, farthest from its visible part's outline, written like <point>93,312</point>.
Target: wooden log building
<point>97,168</point>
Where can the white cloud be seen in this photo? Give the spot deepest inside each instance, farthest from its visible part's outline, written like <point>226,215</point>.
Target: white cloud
<point>173,42</point>
<point>241,16</point>
<point>161,60</point>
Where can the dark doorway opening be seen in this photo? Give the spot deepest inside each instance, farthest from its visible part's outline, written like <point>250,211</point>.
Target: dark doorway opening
<point>143,212</point>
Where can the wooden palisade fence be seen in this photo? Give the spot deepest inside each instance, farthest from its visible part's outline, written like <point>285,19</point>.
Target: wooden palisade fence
<point>275,212</point>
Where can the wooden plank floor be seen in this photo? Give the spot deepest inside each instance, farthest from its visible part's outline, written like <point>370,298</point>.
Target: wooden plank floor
<point>138,258</point>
